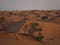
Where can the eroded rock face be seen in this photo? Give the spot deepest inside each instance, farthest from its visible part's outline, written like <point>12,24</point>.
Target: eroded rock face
<point>14,27</point>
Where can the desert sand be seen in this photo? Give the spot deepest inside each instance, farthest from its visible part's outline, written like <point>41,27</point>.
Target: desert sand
<point>51,32</point>
<point>51,28</point>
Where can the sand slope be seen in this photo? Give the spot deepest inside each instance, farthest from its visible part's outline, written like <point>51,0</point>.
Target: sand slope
<point>51,33</point>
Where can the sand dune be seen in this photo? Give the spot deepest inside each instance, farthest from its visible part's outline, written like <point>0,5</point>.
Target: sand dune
<point>51,33</point>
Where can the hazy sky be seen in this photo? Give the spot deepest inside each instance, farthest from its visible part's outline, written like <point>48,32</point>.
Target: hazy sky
<point>29,4</point>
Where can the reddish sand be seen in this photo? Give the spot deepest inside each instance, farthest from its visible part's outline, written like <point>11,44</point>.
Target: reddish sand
<point>51,34</point>
<point>51,29</point>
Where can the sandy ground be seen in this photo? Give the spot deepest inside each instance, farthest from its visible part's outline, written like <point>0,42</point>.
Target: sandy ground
<point>51,32</point>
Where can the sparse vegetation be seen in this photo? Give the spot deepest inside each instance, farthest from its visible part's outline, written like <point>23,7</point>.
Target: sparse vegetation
<point>59,16</point>
<point>49,11</point>
<point>25,18</point>
<point>15,14</point>
<point>39,37</point>
<point>44,17</point>
<point>10,13</point>
<point>34,27</point>
<point>56,12</point>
